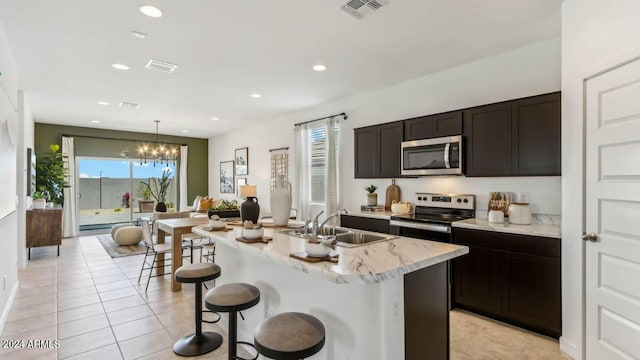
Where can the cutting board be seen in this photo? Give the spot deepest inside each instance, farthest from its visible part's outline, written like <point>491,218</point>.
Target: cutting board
<point>393,193</point>
<point>301,255</point>
<point>264,239</point>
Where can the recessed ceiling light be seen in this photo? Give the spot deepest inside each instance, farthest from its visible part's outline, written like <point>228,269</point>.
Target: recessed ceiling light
<point>120,66</point>
<point>95,121</point>
<point>185,131</point>
<point>138,34</point>
<point>150,11</point>
<point>319,67</point>
<point>103,103</point>
<point>256,96</point>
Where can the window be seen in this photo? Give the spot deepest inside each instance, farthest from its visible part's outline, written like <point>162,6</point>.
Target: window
<point>318,161</point>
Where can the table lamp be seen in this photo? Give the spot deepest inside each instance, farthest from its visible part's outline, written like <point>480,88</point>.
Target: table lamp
<point>249,210</point>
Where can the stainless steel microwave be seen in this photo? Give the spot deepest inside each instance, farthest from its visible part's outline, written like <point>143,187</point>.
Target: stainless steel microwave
<point>439,156</point>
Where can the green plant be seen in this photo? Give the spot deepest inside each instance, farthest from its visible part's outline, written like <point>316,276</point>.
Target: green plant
<point>37,195</point>
<point>371,189</point>
<point>117,209</point>
<point>51,175</point>
<point>225,205</point>
<point>97,212</point>
<point>143,192</point>
<point>158,186</point>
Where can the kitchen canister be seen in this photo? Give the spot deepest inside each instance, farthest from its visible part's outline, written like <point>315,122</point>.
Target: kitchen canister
<point>519,213</point>
<point>496,216</point>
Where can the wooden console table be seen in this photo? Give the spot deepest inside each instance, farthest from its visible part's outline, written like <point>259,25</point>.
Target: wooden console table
<point>44,228</point>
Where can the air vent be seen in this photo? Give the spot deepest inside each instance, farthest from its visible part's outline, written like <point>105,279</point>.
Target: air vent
<point>128,105</point>
<point>361,8</point>
<point>161,66</point>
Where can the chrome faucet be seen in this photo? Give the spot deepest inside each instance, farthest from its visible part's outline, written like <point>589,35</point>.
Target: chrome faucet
<point>334,215</point>
<point>314,225</point>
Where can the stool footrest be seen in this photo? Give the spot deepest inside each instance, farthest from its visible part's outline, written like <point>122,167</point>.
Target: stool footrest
<point>211,321</point>
<point>249,344</point>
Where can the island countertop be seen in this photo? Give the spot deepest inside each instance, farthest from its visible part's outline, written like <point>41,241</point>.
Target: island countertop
<point>368,264</point>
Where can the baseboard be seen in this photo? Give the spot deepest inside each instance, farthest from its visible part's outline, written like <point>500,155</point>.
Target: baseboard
<point>8,306</point>
<point>570,348</point>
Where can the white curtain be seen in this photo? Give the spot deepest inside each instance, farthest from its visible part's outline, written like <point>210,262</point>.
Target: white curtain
<point>331,167</point>
<point>69,220</point>
<point>184,202</point>
<point>303,172</point>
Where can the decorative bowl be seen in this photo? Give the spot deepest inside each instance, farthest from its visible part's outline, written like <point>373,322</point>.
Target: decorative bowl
<point>252,234</point>
<point>316,249</point>
<point>400,207</point>
<point>217,224</point>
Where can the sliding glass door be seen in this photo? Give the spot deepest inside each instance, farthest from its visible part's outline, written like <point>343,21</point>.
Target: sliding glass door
<point>110,191</point>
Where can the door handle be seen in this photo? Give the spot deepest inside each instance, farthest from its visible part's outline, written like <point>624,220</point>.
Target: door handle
<point>593,237</point>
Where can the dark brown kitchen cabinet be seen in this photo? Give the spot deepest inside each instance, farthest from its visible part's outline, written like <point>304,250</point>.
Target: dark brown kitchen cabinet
<point>425,127</point>
<point>514,138</point>
<point>535,135</point>
<point>377,151</point>
<point>509,277</point>
<point>365,223</point>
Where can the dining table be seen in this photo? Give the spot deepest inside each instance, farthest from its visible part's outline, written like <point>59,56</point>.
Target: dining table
<point>175,228</point>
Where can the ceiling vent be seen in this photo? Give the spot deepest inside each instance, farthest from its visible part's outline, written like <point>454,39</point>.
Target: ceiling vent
<point>361,8</point>
<point>161,66</point>
<point>128,105</point>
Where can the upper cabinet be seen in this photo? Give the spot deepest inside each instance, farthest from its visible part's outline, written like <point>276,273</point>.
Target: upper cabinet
<point>377,151</point>
<point>432,126</point>
<point>514,138</point>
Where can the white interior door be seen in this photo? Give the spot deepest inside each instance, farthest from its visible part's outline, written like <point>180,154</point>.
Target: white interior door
<point>613,213</point>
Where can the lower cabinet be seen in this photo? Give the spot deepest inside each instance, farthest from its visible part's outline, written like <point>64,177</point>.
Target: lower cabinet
<point>509,277</point>
<point>44,228</point>
<point>365,223</point>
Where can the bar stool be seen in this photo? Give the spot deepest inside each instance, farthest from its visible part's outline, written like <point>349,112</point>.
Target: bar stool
<point>289,336</point>
<point>233,298</point>
<point>199,342</point>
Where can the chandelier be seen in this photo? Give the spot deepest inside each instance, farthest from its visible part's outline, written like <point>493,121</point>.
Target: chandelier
<point>157,152</point>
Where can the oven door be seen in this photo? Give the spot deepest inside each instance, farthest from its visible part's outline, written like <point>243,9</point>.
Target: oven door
<point>432,156</point>
<point>419,230</point>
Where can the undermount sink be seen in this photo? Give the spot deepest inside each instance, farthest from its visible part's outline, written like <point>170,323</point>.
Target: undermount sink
<point>345,237</point>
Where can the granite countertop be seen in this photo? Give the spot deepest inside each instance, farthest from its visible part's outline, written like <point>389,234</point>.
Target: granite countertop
<point>539,226</point>
<point>366,264</point>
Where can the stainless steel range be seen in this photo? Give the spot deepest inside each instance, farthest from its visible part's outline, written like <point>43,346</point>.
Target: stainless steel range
<point>433,216</point>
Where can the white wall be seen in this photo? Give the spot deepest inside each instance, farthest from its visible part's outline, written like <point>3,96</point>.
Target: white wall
<point>596,35</point>
<point>527,71</point>
<point>8,224</point>
<point>26,128</point>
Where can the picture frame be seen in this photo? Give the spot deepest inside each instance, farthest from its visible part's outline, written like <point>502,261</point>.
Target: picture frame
<point>240,182</point>
<point>227,177</point>
<point>242,161</point>
<point>31,171</point>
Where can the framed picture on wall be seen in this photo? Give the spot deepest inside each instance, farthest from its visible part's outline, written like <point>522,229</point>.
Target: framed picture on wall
<point>240,182</point>
<point>242,161</point>
<point>226,177</point>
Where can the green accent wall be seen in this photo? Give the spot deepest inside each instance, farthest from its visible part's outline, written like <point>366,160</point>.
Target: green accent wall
<point>127,148</point>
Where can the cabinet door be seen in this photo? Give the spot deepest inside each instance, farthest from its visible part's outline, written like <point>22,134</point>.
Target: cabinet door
<point>389,150</point>
<point>536,135</point>
<point>488,135</point>
<point>477,279</point>
<point>447,124</point>
<point>532,295</point>
<point>365,223</point>
<point>418,128</point>
<point>365,143</point>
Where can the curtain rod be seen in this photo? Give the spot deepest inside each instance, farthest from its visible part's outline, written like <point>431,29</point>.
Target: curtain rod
<point>132,140</point>
<point>326,117</point>
<point>282,148</point>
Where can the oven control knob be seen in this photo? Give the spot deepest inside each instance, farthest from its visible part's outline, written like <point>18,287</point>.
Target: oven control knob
<point>419,198</point>
<point>460,200</point>
<point>466,201</point>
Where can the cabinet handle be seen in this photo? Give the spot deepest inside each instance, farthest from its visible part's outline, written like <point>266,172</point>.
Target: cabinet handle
<point>593,237</point>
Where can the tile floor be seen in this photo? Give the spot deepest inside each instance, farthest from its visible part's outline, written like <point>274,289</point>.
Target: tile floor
<point>93,305</point>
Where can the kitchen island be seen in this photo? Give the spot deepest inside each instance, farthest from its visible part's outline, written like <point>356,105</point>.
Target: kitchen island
<point>385,300</point>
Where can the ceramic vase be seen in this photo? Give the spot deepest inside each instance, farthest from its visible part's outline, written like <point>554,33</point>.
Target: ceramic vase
<point>372,199</point>
<point>250,210</point>
<point>281,203</point>
<point>39,204</point>
<point>161,206</point>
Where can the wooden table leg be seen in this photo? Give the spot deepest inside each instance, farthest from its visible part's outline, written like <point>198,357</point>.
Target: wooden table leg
<point>176,254</point>
<point>160,240</point>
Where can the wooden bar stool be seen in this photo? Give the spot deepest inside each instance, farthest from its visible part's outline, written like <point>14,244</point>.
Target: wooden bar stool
<point>289,336</point>
<point>199,342</point>
<point>233,298</point>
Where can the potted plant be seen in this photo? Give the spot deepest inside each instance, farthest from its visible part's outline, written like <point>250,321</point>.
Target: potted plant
<point>145,204</point>
<point>51,175</point>
<point>224,209</point>
<point>158,188</point>
<point>39,201</point>
<point>372,197</point>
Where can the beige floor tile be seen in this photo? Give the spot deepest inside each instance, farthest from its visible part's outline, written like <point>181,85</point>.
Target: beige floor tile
<point>85,342</point>
<point>79,313</point>
<point>77,327</point>
<point>109,278</point>
<point>137,328</point>
<point>31,311</point>
<point>129,314</point>
<point>77,292</point>
<point>22,326</point>
<point>118,293</point>
<point>78,302</point>
<point>123,303</point>
<point>74,284</point>
<point>114,285</point>
<point>146,345</point>
<point>110,352</point>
